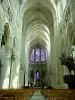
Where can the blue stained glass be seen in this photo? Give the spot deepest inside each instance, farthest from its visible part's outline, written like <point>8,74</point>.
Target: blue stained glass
<point>32,55</point>
<point>37,54</point>
<point>42,55</point>
<point>37,75</point>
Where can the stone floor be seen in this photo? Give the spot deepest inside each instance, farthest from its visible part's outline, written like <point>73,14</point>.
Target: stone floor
<point>37,96</point>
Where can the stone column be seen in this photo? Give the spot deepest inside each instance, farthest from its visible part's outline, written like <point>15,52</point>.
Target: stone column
<point>26,64</point>
<point>48,72</point>
<point>5,72</point>
<point>34,64</point>
<point>17,63</point>
<point>54,66</point>
<point>21,78</point>
<point>26,78</point>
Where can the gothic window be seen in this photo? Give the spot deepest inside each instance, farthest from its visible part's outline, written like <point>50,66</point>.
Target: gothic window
<point>37,54</point>
<point>42,55</point>
<point>37,75</point>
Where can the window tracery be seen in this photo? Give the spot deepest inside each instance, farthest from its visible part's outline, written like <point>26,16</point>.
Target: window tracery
<point>38,55</point>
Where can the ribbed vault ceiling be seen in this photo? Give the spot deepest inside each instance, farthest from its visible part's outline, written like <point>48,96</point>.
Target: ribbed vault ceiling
<point>38,25</point>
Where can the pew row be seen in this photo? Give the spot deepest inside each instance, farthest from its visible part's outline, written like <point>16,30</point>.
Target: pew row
<point>55,94</point>
<point>16,94</point>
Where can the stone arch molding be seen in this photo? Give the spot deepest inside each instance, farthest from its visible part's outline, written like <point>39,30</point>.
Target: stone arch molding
<point>34,45</point>
<point>32,4</point>
<point>47,3</point>
<point>39,24</point>
<point>43,17</point>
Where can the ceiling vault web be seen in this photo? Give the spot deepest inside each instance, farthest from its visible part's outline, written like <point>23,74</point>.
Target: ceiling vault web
<point>38,23</point>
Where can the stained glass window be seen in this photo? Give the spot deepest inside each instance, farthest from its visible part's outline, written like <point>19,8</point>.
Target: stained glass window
<point>37,75</point>
<point>37,54</point>
<point>42,55</point>
<point>32,55</point>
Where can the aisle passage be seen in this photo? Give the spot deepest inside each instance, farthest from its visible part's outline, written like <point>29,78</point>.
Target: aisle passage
<point>37,96</point>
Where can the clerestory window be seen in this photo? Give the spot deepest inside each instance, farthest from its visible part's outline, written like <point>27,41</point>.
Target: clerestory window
<point>39,55</point>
